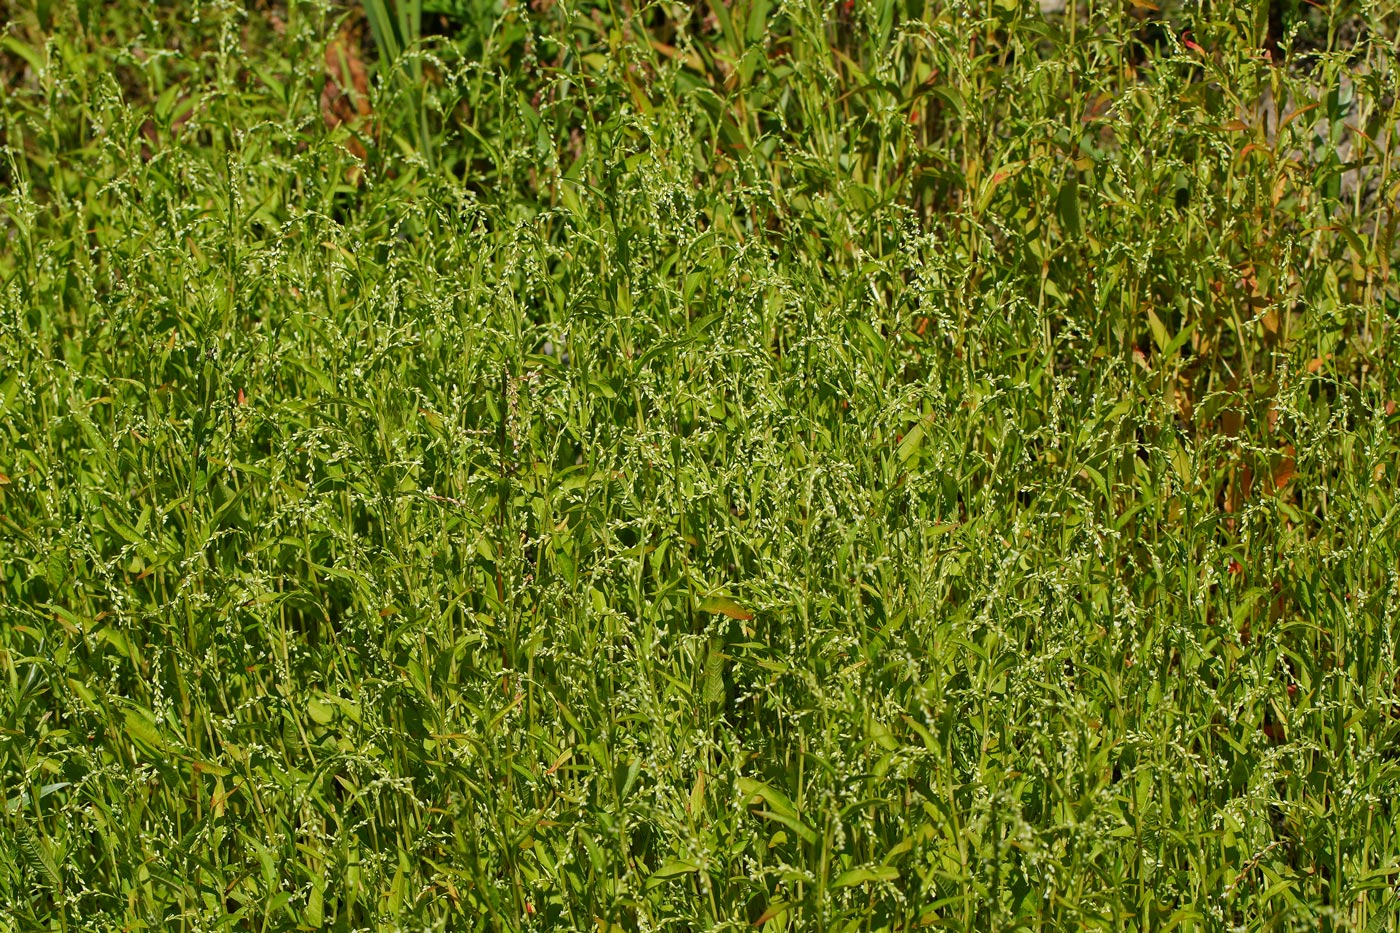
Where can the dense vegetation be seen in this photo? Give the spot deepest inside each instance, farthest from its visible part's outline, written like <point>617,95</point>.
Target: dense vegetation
<point>697,465</point>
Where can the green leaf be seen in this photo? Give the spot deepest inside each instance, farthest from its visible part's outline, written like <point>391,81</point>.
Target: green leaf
<point>671,869</point>
<point>37,851</point>
<point>320,711</point>
<point>779,809</point>
<point>772,912</point>
<point>141,727</point>
<point>723,605</point>
<point>714,674</point>
<point>26,52</point>
<point>1067,208</point>
<point>911,442</point>
<point>865,875</point>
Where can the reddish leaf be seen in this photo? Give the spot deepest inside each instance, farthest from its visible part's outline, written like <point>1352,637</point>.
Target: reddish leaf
<point>345,98</point>
<point>1284,468</point>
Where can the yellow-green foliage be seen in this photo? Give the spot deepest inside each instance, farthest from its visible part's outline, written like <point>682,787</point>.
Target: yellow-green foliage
<point>683,466</point>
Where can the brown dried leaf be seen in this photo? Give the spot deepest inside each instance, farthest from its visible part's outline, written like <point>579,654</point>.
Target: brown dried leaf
<point>347,72</point>
<point>1284,467</point>
<point>1241,486</point>
<point>1185,403</point>
<point>345,98</point>
<point>1231,422</point>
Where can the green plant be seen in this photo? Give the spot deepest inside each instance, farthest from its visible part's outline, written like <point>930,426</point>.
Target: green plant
<point>825,467</point>
<point>396,26</point>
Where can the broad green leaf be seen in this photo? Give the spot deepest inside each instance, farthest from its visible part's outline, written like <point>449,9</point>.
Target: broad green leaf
<point>141,727</point>
<point>671,869</point>
<point>865,875</point>
<point>723,605</point>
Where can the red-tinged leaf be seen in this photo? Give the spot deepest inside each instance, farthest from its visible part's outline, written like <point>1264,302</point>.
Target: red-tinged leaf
<point>1285,468</point>
<point>1254,147</point>
<point>558,762</point>
<point>773,910</point>
<point>1295,115</point>
<point>1097,108</point>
